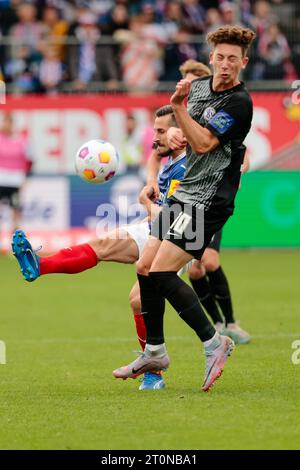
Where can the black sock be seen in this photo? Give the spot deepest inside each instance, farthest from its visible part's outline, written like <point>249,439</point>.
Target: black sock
<point>153,309</point>
<point>185,302</point>
<point>220,288</point>
<point>202,288</point>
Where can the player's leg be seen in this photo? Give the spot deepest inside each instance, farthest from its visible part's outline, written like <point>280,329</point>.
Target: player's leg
<point>162,283</point>
<point>218,283</point>
<point>117,246</point>
<point>158,362</point>
<point>200,283</point>
<point>182,297</point>
<point>152,380</point>
<point>221,292</point>
<point>135,305</point>
<point>186,303</point>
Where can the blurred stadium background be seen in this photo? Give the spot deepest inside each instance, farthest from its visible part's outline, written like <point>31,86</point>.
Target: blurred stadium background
<point>77,70</point>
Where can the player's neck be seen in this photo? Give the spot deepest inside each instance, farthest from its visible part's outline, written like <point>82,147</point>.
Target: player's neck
<point>177,153</point>
<point>218,85</point>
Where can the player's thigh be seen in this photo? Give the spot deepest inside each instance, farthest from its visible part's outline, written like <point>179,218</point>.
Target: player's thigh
<point>211,260</point>
<point>170,257</point>
<point>116,246</point>
<point>151,248</point>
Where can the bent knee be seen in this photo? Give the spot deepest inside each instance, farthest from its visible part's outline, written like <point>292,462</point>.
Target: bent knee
<point>142,268</point>
<point>212,264</point>
<point>98,246</point>
<point>211,260</point>
<point>135,303</point>
<point>197,270</point>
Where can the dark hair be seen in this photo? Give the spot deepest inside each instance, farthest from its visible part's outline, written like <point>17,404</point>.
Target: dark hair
<point>165,111</point>
<point>234,35</point>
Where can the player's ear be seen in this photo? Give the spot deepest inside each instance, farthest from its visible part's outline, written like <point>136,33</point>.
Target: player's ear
<point>210,57</point>
<point>245,62</point>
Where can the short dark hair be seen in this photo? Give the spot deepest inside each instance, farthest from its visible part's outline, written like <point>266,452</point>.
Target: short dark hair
<point>165,111</point>
<point>234,35</point>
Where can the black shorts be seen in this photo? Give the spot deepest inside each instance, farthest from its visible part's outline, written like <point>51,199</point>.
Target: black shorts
<point>215,242</point>
<point>188,227</point>
<point>10,195</point>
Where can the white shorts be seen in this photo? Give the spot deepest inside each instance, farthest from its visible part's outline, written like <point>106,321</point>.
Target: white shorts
<point>139,233</point>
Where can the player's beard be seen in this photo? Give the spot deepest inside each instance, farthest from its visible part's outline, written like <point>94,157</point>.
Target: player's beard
<point>165,153</point>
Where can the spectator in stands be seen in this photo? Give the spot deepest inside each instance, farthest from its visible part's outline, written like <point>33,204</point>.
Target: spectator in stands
<point>8,16</point>
<point>14,166</point>
<point>296,41</point>
<point>51,69</point>
<point>140,56</point>
<point>89,61</point>
<point>194,16</point>
<point>172,18</point>
<point>229,14</point>
<point>117,20</point>
<point>263,16</point>
<point>131,146</point>
<point>26,34</point>
<point>26,38</point>
<point>274,53</point>
<point>176,53</point>
<point>55,29</point>
<point>213,20</point>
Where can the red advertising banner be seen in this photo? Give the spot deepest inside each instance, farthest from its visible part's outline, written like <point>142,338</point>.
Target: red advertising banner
<point>57,126</point>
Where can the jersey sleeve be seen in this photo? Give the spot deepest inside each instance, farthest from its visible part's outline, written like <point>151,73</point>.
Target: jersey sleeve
<point>176,176</point>
<point>232,118</point>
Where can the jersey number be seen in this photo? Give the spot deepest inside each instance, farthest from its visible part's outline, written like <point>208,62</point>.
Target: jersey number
<point>180,223</point>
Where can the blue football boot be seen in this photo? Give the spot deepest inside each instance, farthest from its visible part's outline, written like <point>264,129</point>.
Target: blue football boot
<point>152,381</point>
<point>28,260</point>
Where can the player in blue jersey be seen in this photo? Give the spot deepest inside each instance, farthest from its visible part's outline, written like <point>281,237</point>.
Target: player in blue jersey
<point>124,244</point>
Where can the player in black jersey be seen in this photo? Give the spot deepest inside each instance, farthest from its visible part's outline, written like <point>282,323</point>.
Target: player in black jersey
<point>211,285</point>
<point>207,276</point>
<point>215,123</point>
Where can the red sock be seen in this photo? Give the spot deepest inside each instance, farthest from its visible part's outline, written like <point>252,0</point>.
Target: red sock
<point>69,260</point>
<point>140,329</point>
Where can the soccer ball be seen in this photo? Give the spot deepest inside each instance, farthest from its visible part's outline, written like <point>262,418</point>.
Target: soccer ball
<point>96,161</point>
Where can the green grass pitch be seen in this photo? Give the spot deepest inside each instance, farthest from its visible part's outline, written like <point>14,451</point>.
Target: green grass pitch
<point>65,334</point>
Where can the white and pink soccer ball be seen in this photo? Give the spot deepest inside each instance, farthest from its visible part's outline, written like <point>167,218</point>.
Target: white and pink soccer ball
<point>96,161</point>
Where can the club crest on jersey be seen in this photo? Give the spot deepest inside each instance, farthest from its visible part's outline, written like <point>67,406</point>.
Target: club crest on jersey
<point>209,113</point>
